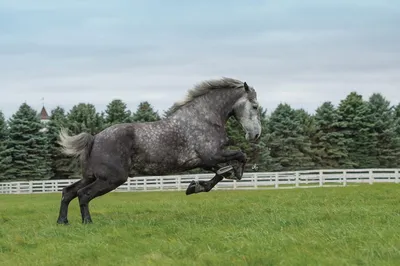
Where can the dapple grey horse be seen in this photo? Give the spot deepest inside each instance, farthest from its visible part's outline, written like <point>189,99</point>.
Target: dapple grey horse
<point>192,136</point>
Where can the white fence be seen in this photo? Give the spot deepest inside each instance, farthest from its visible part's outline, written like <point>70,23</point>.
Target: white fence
<point>256,180</point>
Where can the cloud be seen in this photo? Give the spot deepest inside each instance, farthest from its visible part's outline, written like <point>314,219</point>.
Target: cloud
<point>93,51</point>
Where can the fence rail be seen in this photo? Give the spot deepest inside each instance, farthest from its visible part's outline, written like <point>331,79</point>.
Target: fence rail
<point>256,180</point>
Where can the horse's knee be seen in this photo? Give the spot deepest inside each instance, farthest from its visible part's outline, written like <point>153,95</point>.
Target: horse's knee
<point>66,195</point>
<point>81,194</point>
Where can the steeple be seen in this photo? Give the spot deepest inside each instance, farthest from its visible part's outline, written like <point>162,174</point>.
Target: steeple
<point>44,117</point>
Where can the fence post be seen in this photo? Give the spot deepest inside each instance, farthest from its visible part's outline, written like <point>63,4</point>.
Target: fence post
<point>276,180</point>
<point>255,180</point>
<point>297,180</point>
<point>371,177</point>
<point>344,178</point>
<point>179,183</point>
<point>321,177</point>
<point>397,177</point>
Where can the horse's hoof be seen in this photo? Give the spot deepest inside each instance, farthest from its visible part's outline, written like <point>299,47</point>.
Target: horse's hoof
<point>238,172</point>
<point>191,188</point>
<point>87,221</point>
<point>195,187</point>
<point>63,221</point>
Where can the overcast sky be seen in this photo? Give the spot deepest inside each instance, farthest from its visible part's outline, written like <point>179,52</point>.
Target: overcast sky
<point>299,52</point>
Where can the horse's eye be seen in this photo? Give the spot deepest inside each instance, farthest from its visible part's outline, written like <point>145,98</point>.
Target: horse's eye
<point>255,107</point>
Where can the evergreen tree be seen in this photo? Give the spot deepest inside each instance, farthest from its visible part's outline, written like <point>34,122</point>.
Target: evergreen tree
<point>308,129</point>
<point>5,153</point>
<point>167,112</point>
<point>30,151</point>
<point>329,143</point>
<point>62,165</point>
<point>145,113</point>
<point>383,129</point>
<point>397,123</point>
<point>397,118</point>
<point>84,118</point>
<point>397,111</point>
<point>354,113</point>
<point>116,113</point>
<point>288,143</point>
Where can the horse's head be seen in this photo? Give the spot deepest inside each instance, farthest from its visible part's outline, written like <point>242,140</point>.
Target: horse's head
<point>247,113</point>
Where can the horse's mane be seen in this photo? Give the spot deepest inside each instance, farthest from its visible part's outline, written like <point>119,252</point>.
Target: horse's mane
<point>205,87</point>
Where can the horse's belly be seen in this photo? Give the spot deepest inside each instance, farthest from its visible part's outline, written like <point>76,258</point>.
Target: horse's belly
<point>161,165</point>
<point>155,169</point>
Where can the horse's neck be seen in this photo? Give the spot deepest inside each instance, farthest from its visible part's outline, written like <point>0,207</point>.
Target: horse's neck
<point>212,108</point>
<point>222,105</point>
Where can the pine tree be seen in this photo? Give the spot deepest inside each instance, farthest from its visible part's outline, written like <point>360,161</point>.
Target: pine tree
<point>116,113</point>
<point>397,111</point>
<point>397,124</point>
<point>62,165</point>
<point>168,112</point>
<point>329,143</point>
<point>84,118</point>
<point>383,130</point>
<point>145,113</point>
<point>5,153</point>
<point>30,151</point>
<point>288,143</point>
<point>308,129</point>
<point>354,124</point>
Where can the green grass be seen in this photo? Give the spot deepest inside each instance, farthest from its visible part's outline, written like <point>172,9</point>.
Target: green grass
<point>357,225</point>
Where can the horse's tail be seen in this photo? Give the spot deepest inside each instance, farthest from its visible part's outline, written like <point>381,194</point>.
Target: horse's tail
<point>79,145</point>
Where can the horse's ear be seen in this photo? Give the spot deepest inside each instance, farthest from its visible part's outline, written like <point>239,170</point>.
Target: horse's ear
<point>246,87</point>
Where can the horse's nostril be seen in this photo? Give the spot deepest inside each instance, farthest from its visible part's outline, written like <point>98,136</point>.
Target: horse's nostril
<point>257,136</point>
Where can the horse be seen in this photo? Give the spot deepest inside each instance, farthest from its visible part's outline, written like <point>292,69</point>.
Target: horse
<point>193,135</point>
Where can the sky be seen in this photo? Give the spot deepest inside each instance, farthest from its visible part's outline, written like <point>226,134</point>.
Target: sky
<point>298,52</point>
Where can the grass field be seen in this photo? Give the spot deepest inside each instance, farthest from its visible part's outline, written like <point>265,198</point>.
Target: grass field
<point>357,225</point>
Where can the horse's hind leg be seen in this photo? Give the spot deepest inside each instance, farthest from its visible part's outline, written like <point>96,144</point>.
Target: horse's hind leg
<point>96,189</point>
<point>68,194</point>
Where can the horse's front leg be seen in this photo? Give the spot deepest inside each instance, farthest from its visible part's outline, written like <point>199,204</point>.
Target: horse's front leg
<point>236,159</point>
<point>220,172</point>
<point>203,186</point>
<point>225,156</point>
<point>206,186</point>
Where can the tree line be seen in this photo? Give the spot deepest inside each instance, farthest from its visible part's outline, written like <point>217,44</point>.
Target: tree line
<point>358,133</point>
